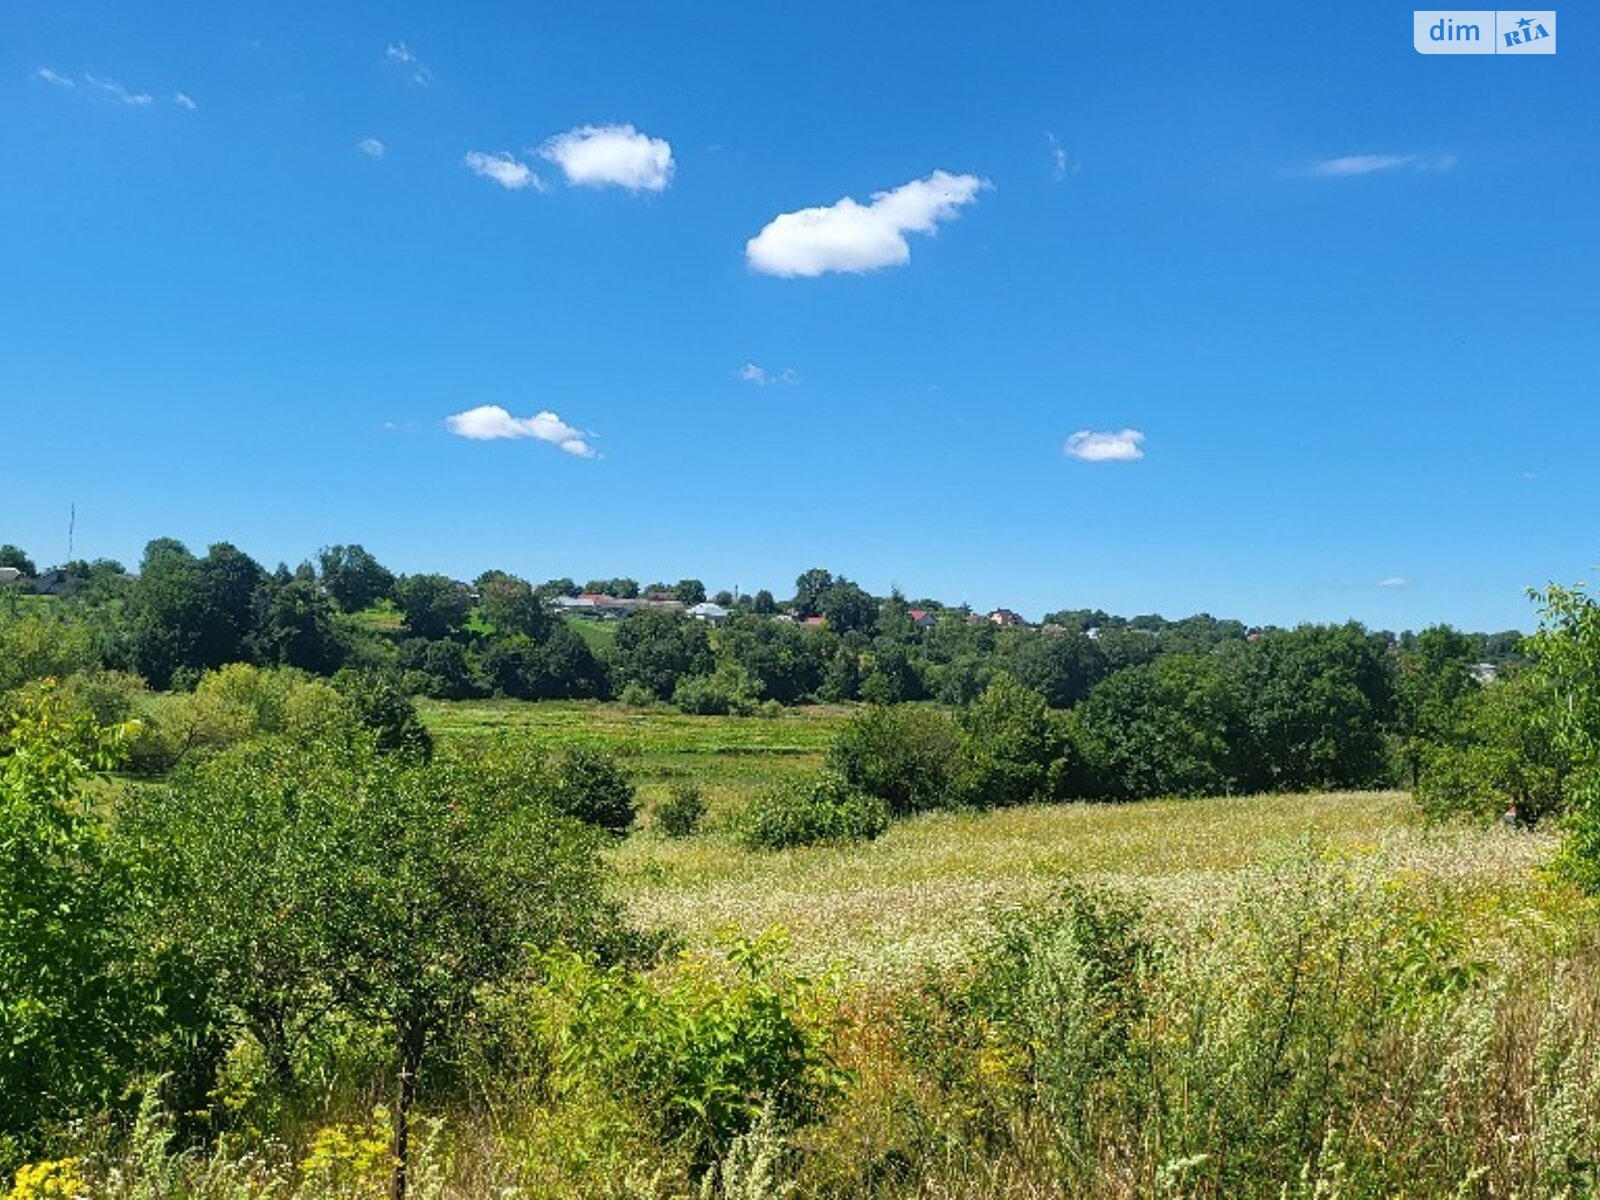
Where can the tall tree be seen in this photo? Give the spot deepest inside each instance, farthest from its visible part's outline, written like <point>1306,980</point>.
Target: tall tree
<point>13,556</point>
<point>434,606</point>
<point>1567,646</point>
<point>353,577</point>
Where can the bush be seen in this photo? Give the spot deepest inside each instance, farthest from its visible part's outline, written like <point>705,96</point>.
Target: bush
<point>822,808</point>
<point>636,695</point>
<point>382,707</point>
<point>593,786</point>
<point>1015,750</point>
<point>680,813</point>
<point>731,690</point>
<point>701,1050</point>
<point>907,757</point>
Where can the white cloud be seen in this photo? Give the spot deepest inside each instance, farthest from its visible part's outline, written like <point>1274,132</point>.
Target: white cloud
<point>1125,445</point>
<point>611,155</point>
<point>504,169</point>
<point>1393,581</point>
<point>854,237</point>
<point>115,90</point>
<point>401,56</point>
<point>52,77</point>
<point>1367,164</point>
<point>184,100</point>
<point>490,422</point>
<point>1060,165</point>
<point>371,147</point>
<point>760,376</point>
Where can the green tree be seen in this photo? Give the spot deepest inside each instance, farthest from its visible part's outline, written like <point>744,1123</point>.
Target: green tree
<point>329,874</point>
<point>353,577</point>
<point>765,605</point>
<point>1567,648</point>
<point>295,628</point>
<point>690,591</point>
<point>1014,750</point>
<point>847,606</point>
<point>907,756</point>
<point>1433,679</point>
<point>188,613</point>
<point>1504,751</point>
<point>1172,727</point>
<point>13,556</point>
<point>809,589</point>
<point>512,606</point>
<point>434,606</point>
<point>383,708</point>
<point>69,1011</point>
<point>1061,668</point>
<point>655,649</point>
<point>1318,700</point>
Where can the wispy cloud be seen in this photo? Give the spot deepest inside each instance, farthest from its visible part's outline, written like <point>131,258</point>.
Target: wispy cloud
<point>853,237</point>
<point>761,377</point>
<point>371,147</point>
<point>1123,445</point>
<point>400,54</point>
<point>53,78</point>
<point>611,156</point>
<point>1350,165</point>
<point>184,100</point>
<point>490,422</point>
<point>1392,581</point>
<point>119,93</point>
<point>1060,165</point>
<point>503,168</point>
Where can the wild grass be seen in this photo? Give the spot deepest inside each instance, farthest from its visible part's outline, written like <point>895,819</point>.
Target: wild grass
<point>881,908</point>
<point>728,758</point>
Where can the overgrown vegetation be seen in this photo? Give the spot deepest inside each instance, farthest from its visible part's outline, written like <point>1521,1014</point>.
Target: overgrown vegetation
<point>279,931</point>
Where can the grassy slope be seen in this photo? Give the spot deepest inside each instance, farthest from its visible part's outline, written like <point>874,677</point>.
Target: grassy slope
<point>908,896</point>
<point>728,757</point>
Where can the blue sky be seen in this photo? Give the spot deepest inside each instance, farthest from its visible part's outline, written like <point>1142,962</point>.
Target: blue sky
<point>1325,308</point>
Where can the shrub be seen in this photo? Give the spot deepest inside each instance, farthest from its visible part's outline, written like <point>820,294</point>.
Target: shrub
<point>1015,748</point>
<point>382,707</point>
<point>703,1049</point>
<point>679,815</point>
<point>821,808</point>
<point>907,757</point>
<point>636,695</point>
<point>730,690</point>
<point>593,786</point>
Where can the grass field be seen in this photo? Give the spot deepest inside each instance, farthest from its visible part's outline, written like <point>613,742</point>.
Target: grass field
<point>879,908</point>
<point>729,758</point>
<point>909,897</point>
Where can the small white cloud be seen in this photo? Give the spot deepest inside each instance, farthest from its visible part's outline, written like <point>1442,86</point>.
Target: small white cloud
<point>119,93</point>
<point>1124,445</point>
<point>611,156</point>
<point>1350,165</point>
<point>504,169</point>
<point>1060,165</point>
<point>1393,581</point>
<point>854,237</point>
<point>371,147</point>
<point>401,56</point>
<point>53,78</point>
<point>184,100</point>
<point>761,377</point>
<point>490,422</point>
